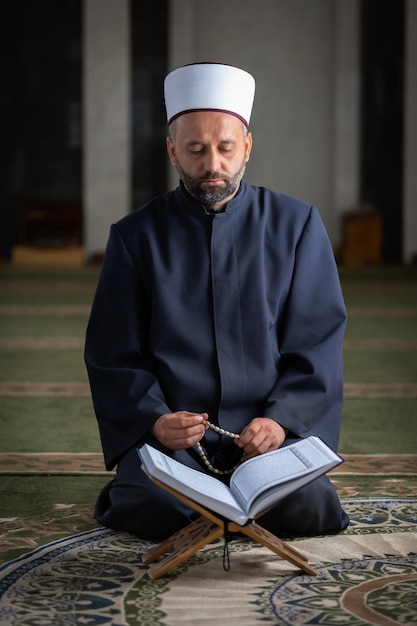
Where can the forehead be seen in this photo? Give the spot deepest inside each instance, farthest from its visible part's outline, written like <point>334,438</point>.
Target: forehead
<point>208,125</point>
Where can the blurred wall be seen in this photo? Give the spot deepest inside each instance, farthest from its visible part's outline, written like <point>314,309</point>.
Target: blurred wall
<point>410,136</point>
<point>106,119</point>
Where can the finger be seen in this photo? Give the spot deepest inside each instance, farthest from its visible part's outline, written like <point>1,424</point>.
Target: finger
<point>180,440</point>
<point>246,436</point>
<point>184,433</point>
<point>261,443</point>
<point>254,450</point>
<point>184,419</point>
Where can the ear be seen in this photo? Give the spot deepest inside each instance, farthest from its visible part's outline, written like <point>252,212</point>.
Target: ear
<point>248,146</point>
<point>171,151</point>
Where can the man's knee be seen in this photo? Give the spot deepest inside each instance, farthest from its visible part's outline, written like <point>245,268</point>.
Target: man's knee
<point>152,517</point>
<point>132,503</point>
<point>312,510</point>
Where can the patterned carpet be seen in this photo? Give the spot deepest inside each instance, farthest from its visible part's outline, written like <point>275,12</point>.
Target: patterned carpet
<point>366,575</point>
<point>77,573</point>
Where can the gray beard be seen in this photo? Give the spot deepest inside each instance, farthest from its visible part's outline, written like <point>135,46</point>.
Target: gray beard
<point>211,196</point>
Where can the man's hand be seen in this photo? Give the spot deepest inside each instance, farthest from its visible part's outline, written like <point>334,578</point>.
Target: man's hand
<point>261,435</point>
<point>180,430</point>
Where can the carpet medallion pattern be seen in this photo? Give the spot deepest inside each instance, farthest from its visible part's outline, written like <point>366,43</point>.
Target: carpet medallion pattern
<point>366,575</point>
<point>380,591</point>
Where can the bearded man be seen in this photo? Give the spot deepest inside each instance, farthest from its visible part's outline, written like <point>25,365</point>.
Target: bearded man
<point>218,307</point>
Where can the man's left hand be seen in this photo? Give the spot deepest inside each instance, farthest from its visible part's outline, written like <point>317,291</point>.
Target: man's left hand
<point>261,435</point>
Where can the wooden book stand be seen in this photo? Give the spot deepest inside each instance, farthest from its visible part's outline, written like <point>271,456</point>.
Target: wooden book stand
<point>187,541</point>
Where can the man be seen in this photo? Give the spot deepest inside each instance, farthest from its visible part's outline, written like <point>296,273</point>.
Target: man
<point>218,307</point>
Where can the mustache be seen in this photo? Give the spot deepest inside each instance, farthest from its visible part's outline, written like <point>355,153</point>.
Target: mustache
<point>213,176</point>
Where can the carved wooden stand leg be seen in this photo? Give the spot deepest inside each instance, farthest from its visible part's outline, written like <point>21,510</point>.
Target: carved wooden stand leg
<point>267,539</point>
<point>181,546</point>
<point>187,541</point>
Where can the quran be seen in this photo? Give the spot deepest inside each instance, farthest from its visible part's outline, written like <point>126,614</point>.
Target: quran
<point>255,486</point>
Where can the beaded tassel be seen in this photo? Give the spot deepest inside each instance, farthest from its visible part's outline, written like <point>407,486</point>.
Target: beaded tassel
<point>203,455</point>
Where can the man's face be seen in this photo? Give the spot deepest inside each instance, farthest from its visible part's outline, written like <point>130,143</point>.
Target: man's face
<point>210,152</point>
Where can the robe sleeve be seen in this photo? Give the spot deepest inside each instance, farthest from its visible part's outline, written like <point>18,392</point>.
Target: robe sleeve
<point>126,394</point>
<point>307,397</point>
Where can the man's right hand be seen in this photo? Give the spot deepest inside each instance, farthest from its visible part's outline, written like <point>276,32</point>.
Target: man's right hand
<point>180,430</point>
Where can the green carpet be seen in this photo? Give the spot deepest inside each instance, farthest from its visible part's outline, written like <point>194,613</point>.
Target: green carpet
<point>43,315</point>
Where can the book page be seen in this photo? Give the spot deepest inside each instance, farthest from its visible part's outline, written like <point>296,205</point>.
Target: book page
<point>204,489</point>
<point>258,474</point>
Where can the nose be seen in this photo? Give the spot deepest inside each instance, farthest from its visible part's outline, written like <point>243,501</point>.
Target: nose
<point>212,160</point>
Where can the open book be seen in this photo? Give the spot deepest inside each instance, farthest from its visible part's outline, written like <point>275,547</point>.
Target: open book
<point>255,486</point>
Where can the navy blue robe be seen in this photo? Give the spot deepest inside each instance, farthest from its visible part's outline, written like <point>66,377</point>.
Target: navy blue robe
<point>237,313</point>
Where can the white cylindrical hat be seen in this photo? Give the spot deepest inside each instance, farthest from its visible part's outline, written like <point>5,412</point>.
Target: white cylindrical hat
<point>209,87</point>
